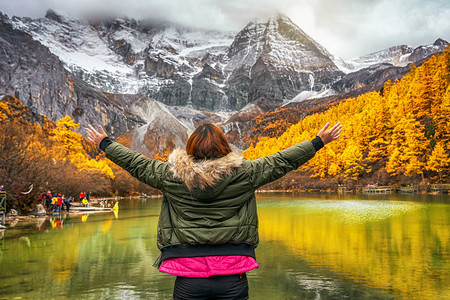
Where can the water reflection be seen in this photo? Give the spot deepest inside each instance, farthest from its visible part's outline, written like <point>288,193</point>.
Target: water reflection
<point>398,247</point>
<point>310,249</point>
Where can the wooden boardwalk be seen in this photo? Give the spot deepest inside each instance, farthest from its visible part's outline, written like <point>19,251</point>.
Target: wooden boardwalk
<point>408,190</point>
<point>345,189</point>
<point>440,188</point>
<point>378,189</point>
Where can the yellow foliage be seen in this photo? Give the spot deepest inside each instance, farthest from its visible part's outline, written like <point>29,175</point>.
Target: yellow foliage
<point>439,160</point>
<point>389,129</point>
<point>68,145</point>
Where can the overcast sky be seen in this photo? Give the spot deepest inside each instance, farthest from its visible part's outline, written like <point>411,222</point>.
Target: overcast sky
<point>347,28</point>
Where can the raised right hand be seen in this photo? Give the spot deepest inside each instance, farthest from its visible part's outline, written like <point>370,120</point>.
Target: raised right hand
<point>333,134</point>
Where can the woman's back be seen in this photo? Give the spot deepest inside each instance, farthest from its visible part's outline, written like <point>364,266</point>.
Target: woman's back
<point>209,205</point>
<point>220,212</point>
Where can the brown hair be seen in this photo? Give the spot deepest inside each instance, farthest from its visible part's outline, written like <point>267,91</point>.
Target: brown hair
<point>207,141</point>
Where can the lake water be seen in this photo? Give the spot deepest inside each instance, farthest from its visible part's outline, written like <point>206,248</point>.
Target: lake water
<point>313,246</point>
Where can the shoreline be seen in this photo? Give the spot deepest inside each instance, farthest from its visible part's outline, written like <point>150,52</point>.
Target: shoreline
<point>327,191</point>
<point>78,209</point>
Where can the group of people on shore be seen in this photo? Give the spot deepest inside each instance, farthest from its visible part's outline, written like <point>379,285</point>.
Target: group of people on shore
<point>57,202</point>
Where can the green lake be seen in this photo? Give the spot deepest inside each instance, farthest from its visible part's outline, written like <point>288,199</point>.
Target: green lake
<point>313,246</point>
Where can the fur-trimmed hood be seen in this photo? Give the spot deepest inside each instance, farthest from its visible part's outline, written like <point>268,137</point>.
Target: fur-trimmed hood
<point>201,174</point>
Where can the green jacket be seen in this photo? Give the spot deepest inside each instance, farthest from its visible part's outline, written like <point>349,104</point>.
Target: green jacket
<point>208,206</point>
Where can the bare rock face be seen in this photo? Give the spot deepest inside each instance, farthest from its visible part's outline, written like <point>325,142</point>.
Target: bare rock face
<point>162,131</point>
<point>109,72</point>
<point>12,213</point>
<point>372,78</point>
<point>422,52</point>
<point>276,60</point>
<point>373,70</point>
<point>39,79</point>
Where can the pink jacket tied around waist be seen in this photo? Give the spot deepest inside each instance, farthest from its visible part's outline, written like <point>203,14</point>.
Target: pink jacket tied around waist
<point>207,266</point>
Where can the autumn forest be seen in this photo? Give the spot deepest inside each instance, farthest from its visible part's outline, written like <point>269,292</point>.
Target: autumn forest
<point>399,135</point>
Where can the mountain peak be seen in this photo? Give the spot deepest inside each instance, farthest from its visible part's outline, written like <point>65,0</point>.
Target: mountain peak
<point>52,15</point>
<point>281,18</point>
<point>440,42</point>
<point>59,17</point>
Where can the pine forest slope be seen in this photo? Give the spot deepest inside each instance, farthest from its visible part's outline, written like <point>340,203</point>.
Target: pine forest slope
<point>400,134</point>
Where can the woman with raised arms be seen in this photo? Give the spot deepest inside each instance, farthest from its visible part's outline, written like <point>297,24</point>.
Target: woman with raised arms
<point>208,225</point>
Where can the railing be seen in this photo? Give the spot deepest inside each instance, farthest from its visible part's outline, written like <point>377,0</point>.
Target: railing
<point>440,188</point>
<point>378,189</point>
<point>3,206</point>
<point>407,190</point>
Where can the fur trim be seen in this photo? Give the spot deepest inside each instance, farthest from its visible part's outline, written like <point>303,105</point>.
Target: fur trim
<point>201,174</point>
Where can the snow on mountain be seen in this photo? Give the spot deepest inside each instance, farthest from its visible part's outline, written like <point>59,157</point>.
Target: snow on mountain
<point>79,47</point>
<point>39,80</point>
<point>113,55</point>
<point>305,95</point>
<point>167,62</point>
<point>396,56</point>
<point>202,75</point>
<point>167,126</point>
<point>184,66</point>
<point>273,60</point>
<point>282,41</point>
<point>162,131</point>
<point>399,56</point>
<point>424,51</point>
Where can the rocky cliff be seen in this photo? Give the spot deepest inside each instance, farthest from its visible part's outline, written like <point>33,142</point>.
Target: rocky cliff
<point>272,60</point>
<point>275,60</point>
<point>37,77</point>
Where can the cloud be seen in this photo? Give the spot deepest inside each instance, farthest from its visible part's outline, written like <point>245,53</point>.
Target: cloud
<point>347,28</point>
<point>352,28</point>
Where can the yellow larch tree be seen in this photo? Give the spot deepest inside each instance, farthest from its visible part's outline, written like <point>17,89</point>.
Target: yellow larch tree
<point>439,160</point>
<point>441,118</point>
<point>407,148</point>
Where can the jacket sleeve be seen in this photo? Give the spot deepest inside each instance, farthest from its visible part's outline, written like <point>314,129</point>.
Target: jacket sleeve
<point>270,168</point>
<point>147,170</point>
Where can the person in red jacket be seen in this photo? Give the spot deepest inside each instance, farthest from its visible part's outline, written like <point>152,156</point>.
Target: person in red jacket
<point>59,203</point>
<point>81,196</point>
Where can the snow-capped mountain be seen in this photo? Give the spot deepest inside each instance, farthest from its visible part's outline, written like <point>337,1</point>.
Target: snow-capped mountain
<point>271,61</point>
<point>209,70</point>
<point>158,60</point>
<point>274,60</point>
<point>399,56</point>
<point>162,130</point>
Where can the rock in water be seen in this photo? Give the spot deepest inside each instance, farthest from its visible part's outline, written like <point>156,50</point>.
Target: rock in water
<point>40,210</point>
<point>12,213</point>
